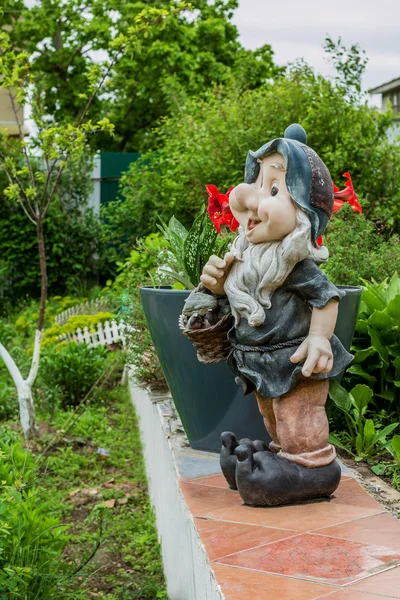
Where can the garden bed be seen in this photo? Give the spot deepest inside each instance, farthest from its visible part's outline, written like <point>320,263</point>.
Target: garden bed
<point>102,499</point>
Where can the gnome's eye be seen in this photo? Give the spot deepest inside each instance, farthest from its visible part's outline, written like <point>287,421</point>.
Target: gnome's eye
<point>274,190</point>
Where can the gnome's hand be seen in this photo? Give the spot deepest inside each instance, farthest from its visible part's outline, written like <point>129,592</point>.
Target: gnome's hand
<point>316,351</point>
<point>216,271</point>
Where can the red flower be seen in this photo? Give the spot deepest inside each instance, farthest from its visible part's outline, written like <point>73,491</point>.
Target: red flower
<point>219,210</point>
<point>346,195</point>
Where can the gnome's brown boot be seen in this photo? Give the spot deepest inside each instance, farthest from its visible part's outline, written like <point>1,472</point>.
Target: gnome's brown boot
<point>265,406</point>
<point>302,425</point>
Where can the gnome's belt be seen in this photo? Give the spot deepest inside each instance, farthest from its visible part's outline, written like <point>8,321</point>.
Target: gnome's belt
<point>279,346</point>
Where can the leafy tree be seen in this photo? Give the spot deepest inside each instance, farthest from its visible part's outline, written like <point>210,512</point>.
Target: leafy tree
<point>209,139</point>
<point>194,50</point>
<point>34,168</point>
<point>349,63</point>
<point>74,252</point>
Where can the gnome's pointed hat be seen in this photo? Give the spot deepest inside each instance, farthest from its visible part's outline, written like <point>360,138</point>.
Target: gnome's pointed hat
<point>307,178</point>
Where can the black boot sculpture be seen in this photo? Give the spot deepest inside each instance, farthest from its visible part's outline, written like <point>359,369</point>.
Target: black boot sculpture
<point>266,479</point>
<point>228,457</point>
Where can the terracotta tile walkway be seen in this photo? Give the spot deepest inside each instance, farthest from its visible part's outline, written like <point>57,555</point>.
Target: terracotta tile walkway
<point>343,548</point>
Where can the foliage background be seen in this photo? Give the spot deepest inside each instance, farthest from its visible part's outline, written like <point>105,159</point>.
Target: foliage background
<point>207,142</point>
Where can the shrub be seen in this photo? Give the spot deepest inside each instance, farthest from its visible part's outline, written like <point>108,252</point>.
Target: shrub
<point>358,250</point>
<point>207,142</point>
<point>31,540</point>
<point>363,440</point>
<point>142,268</point>
<point>74,251</point>
<point>8,401</point>
<point>74,322</point>
<point>376,347</point>
<point>68,371</point>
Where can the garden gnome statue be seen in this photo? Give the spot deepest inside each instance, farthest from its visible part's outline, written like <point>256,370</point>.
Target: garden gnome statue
<point>283,314</point>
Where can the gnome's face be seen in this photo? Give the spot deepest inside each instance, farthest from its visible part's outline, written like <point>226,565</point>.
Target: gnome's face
<point>264,208</point>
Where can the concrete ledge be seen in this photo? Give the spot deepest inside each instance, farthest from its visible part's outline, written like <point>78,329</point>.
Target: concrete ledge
<point>345,547</point>
<point>186,565</point>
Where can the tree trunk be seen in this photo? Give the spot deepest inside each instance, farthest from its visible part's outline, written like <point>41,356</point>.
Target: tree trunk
<point>24,390</point>
<point>43,274</point>
<point>27,411</point>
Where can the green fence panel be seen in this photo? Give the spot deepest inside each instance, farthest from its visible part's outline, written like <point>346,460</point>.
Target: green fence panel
<point>113,165</point>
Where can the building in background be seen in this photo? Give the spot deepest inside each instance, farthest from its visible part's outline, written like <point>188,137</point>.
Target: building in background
<point>7,116</point>
<point>390,97</point>
<point>107,171</point>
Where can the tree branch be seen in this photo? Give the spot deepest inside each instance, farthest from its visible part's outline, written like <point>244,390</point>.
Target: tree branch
<point>35,359</point>
<point>32,216</point>
<point>12,367</point>
<point>21,136</point>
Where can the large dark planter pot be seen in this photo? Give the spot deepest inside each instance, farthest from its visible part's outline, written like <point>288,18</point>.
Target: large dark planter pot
<point>206,396</point>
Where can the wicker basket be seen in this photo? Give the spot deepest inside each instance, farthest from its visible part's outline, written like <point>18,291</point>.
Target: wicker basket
<point>212,343</point>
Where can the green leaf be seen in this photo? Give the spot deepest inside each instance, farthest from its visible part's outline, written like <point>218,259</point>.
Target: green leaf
<point>393,287</point>
<point>362,355</point>
<point>383,433</point>
<point>395,443</point>
<point>378,345</point>
<point>361,395</point>
<point>208,243</point>
<point>394,350</point>
<point>380,321</point>
<point>177,227</point>
<point>192,249</point>
<point>361,327</point>
<point>181,278</point>
<point>379,469</point>
<point>359,444</point>
<point>393,308</point>
<point>16,495</point>
<point>387,395</point>
<point>374,299</point>
<point>340,396</point>
<point>369,432</point>
<point>333,439</point>
<point>358,370</point>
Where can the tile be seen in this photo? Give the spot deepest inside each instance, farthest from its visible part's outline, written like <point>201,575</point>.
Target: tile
<point>345,470</point>
<point>351,595</point>
<point>383,529</point>
<point>249,585</point>
<point>317,558</point>
<point>205,501</point>
<point>196,466</point>
<point>213,480</point>
<point>299,517</point>
<point>386,584</point>
<point>351,493</point>
<point>221,538</point>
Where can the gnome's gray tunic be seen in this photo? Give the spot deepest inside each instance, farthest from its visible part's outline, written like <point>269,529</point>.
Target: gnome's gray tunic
<point>261,355</point>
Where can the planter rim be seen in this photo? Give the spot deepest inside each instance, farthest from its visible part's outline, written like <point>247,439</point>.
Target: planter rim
<point>163,289</point>
<point>167,289</point>
<point>350,289</point>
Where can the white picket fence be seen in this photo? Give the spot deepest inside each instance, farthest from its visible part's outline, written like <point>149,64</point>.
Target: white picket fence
<point>105,334</point>
<point>86,308</point>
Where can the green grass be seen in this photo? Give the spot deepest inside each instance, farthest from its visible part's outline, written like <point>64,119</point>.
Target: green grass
<point>127,564</point>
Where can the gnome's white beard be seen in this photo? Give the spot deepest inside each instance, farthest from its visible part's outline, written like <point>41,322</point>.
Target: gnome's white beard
<point>262,268</point>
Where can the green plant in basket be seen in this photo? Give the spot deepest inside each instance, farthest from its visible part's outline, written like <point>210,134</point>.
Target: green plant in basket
<point>376,345</point>
<point>362,439</point>
<point>192,248</point>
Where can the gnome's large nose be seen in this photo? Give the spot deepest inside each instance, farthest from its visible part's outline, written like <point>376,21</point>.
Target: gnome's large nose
<point>244,197</point>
